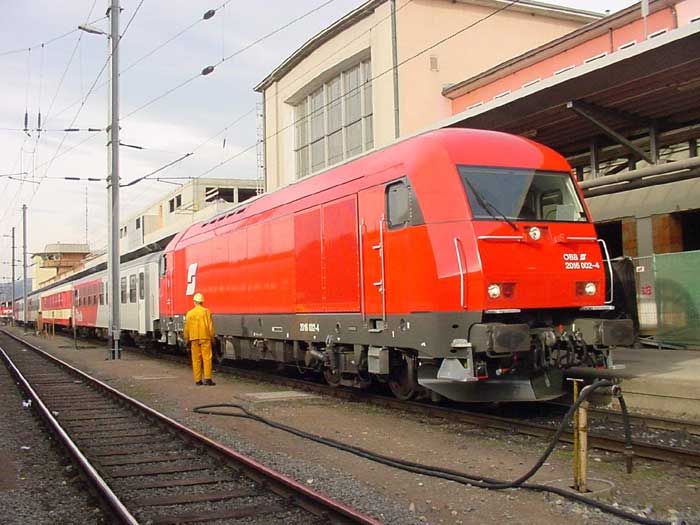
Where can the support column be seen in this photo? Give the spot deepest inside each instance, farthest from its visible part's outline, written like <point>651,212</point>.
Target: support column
<point>12,319</point>
<point>395,67</point>
<point>654,142</point>
<point>595,163</point>
<point>667,233</point>
<point>24,266</point>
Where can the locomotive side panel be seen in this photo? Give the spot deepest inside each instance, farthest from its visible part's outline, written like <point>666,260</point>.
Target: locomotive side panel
<point>341,274</point>
<point>309,261</point>
<point>268,266</point>
<point>236,279</point>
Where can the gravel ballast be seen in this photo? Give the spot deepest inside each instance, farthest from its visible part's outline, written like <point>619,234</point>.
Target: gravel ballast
<point>38,484</point>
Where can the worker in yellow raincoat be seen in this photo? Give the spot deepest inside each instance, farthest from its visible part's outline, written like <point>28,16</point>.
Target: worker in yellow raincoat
<point>199,332</point>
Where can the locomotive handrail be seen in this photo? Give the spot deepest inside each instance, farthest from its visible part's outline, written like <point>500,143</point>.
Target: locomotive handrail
<point>381,284</point>
<point>592,239</point>
<point>517,238</point>
<point>461,271</point>
<point>361,227</point>
<point>610,270</point>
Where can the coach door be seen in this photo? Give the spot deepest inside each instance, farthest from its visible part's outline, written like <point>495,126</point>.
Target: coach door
<point>372,228</point>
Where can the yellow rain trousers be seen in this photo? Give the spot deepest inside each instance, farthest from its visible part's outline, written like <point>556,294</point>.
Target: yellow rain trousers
<point>199,330</point>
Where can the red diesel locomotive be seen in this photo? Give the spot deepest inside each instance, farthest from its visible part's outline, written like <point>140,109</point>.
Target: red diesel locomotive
<point>458,263</point>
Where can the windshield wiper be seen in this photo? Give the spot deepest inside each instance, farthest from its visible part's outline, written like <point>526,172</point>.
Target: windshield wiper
<point>488,207</point>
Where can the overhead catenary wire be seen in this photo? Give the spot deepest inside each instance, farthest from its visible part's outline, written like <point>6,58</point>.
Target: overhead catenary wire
<point>252,110</point>
<point>209,69</point>
<point>85,98</point>
<point>148,54</point>
<point>361,85</point>
<point>46,42</point>
<point>52,101</point>
<point>277,132</point>
<point>374,77</point>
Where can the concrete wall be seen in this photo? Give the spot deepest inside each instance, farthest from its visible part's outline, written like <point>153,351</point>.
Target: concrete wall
<point>372,36</point>
<point>420,24</point>
<point>480,47</point>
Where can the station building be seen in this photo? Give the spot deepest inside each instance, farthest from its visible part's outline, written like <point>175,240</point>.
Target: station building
<point>617,95</point>
<point>338,96</point>
<point>195,201</point>
<point>57,260</point>
<point>620,99</point>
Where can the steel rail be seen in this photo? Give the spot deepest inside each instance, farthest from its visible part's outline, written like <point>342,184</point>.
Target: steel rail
<point>104,492</point>
<point>310,500</point>
<point>657,422</point>
<point>681,456</point>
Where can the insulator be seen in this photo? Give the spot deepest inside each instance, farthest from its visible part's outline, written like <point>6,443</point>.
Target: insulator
<point>26,121</point>
<point>209,14</point>
<point>207,70</point>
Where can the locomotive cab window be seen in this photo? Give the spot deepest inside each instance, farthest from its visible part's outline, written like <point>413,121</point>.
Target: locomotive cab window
<point>398,204</point>
<point>521,195</point>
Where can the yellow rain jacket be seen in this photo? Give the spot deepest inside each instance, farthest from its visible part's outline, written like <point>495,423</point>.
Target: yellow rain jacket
<point>198,324</point>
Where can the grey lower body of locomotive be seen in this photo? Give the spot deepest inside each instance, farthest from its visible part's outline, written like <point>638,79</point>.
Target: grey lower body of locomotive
<point>445,349</point>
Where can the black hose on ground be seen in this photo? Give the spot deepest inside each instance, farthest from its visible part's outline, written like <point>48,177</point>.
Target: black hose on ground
<point>453,475</point>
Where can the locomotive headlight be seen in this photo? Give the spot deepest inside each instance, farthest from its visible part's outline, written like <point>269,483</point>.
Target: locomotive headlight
<point>586,288</point>
<point>494,291</point>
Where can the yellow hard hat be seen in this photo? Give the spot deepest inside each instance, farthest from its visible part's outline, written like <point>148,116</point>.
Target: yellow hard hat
<point>198,298</point>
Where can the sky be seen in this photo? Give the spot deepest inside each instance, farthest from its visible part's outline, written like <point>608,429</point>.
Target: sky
<point>160,112</point>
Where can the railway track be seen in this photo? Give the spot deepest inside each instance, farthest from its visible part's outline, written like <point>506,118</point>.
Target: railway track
<point>610,442</point>
<point>146,467</point>
<point>647,421</point>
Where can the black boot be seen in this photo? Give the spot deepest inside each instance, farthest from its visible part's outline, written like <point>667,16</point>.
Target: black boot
<point>209,382</point>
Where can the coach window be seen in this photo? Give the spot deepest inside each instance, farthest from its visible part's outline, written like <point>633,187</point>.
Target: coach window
<point>101,287</point>
<point>142,286</point>
<point>398,208</point>
<point>132,288</point>
<point>122,290</point>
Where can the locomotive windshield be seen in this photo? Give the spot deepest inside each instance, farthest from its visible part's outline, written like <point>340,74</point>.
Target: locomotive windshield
<point>521,195</point>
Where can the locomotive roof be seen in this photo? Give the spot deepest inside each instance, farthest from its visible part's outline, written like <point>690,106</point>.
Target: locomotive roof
<point>493,149</point>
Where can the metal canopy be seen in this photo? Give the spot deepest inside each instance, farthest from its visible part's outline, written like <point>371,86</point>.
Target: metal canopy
<point>654,86</point>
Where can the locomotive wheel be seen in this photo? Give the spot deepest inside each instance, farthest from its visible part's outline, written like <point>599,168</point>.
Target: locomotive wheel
<point>402,381</point>
<point>332,377</point>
